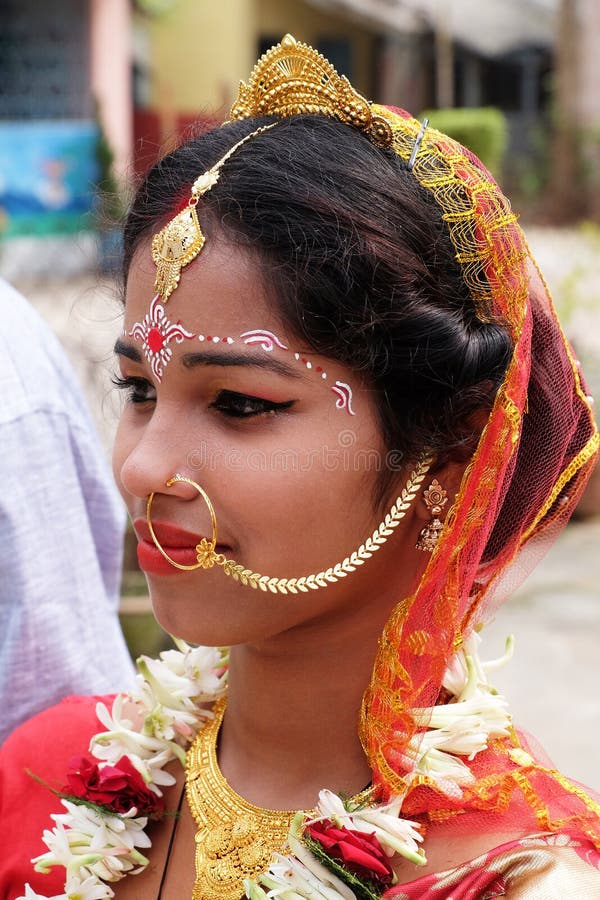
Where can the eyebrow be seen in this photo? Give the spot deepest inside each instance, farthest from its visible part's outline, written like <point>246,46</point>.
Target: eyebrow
<point>127,350</point>
<point>228,359</point>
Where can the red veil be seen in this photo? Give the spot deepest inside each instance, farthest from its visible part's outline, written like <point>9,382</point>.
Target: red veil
<point>522,484</point>
<point>532,460</point>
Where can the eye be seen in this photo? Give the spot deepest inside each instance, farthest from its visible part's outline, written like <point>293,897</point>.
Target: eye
<point>138,390</point>
<point>242,406</point>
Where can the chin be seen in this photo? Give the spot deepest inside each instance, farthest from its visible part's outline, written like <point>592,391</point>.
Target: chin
<point>204,619</point>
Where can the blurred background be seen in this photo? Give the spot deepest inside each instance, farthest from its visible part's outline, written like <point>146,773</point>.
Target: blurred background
<point>92,92</point>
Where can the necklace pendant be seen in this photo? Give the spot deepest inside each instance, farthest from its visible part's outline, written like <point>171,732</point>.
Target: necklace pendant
<point>227,853</point>
<point>235,840</point>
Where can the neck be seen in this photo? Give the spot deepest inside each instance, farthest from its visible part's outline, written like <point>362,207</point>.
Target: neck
<point>291,726</point>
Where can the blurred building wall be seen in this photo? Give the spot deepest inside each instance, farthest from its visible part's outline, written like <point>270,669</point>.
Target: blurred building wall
<point>110,76</point>
<point>190,60</point>
<point>64,72</point>
<point>196,53</point>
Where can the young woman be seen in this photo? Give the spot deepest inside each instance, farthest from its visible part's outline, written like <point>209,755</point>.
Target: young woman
<point>352,423</point>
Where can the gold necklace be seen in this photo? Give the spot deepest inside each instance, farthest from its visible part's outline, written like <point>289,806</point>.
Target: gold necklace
<point>235,840</point>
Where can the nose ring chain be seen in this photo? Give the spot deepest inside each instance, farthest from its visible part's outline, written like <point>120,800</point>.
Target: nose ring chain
<point>207,557</point>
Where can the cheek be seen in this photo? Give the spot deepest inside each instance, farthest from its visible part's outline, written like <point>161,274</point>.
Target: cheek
<point>292,522</point>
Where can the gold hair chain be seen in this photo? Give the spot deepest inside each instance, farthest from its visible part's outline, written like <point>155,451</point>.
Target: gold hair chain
<point>182,239</point>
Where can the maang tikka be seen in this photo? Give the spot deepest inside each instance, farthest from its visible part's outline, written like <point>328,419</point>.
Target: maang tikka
<point>181,240</point>
<point>435,498</point>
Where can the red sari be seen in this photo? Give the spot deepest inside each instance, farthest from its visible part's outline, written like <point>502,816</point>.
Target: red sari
<point>544,866</point>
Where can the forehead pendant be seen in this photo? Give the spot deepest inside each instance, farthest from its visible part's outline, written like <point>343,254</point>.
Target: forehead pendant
<point>181,240</point>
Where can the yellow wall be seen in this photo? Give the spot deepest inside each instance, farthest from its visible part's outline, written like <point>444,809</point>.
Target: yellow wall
<point>202,48</point>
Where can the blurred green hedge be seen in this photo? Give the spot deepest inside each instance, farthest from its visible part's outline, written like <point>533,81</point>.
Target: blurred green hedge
<point>481,129</point>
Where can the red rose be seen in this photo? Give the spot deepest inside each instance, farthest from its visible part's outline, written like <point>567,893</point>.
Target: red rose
<point>119,787</point>
<point>358,852</point>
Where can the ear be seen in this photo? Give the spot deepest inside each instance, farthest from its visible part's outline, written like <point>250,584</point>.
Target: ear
<point>449,477</point>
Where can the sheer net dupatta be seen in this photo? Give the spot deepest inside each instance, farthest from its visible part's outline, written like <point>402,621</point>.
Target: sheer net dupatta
<point>522,484</point>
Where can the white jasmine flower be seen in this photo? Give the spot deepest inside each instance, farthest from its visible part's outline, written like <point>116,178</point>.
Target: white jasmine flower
<point>121,737</point>
<point>466,673</point>
<point>30,894</point>
<point>465,725</point>
<point>90,889</point>
<point>75,889</point>
<point>205,666</point>
<point>446,770</point>
<point>151,726</point>
<point>88,842</point>
<point>288,878</point>
<point>490,709</point>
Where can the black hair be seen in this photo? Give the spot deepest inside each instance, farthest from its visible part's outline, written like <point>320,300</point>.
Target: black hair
<point>359,263</point>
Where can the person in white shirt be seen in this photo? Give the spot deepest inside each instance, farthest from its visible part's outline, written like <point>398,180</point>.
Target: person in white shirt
<point>61,529</point>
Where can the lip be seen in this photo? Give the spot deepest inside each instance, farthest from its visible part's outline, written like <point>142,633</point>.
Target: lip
<point>168,534</point>
<point>177,542</point>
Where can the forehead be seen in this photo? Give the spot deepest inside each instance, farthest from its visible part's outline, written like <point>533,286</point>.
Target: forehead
<point>222,289</point>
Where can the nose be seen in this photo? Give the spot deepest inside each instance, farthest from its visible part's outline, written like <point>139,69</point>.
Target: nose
<point>146,458</point>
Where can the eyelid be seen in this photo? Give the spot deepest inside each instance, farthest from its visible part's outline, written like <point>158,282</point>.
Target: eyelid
<point>226,400</point>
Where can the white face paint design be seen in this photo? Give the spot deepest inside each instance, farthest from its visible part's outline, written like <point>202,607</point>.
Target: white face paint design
<point>344,392</point>
<point>156,332</point>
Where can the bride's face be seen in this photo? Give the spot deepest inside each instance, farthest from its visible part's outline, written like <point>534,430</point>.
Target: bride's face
<point>285,443</point>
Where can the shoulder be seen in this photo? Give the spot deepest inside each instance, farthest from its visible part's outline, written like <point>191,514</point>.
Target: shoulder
<point>43,747</point>
<point>549,866</point>
<point>553,865</point>
<point>63,727</point>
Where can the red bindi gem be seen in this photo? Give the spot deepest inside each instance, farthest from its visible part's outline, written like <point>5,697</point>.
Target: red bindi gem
<point>208,337</point>
<point>155,340</point>
<point>319,369</point>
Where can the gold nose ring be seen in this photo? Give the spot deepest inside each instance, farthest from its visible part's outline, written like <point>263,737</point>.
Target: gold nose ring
<point>205,550</point>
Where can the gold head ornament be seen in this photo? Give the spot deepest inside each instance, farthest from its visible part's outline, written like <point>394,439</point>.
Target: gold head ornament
<point>292,78</point>
<point>289,79</point>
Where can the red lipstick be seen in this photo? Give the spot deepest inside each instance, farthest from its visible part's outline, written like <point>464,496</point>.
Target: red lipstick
<point>177,542</point>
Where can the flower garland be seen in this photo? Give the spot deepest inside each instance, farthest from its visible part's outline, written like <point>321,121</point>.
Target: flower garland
<point>101,836</point>
<point>343,852</point>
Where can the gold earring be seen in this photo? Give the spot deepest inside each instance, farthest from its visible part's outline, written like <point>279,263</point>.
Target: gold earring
<point>435,498</point>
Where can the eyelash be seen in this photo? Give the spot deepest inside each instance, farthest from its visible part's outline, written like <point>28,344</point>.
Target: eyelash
<point>137,388</point>
<point>229,403</point>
